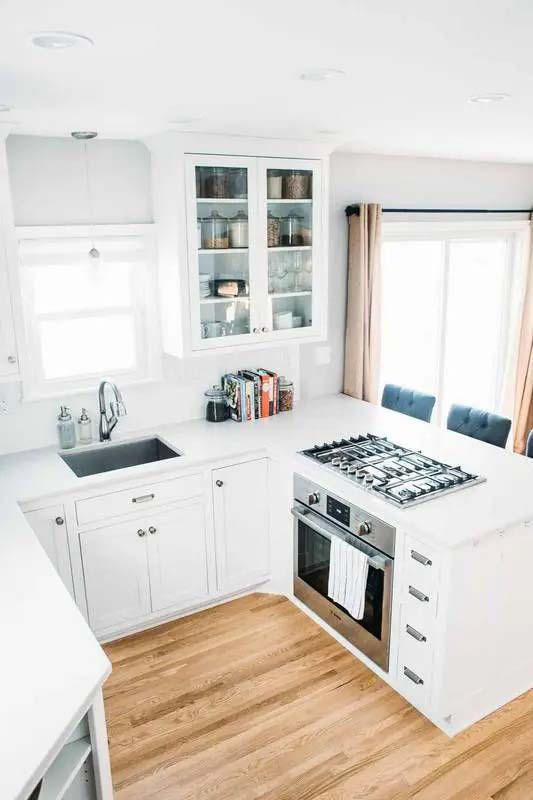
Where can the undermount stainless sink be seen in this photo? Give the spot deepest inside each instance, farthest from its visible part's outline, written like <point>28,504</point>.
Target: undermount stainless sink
<point>108,457</point>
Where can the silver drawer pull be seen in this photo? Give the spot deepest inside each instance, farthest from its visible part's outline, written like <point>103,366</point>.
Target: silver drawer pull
<point>427,562</point>
<point>415,634</point>
<point>144,498</point>
<point>418,594</point>
<point>413,676</point>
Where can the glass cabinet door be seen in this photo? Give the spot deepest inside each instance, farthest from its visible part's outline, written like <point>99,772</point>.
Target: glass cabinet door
<point>220,241</point>
<point>291,222</point>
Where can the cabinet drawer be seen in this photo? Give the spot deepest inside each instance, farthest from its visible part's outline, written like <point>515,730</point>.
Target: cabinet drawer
<point>422,601</point>
<point>140,498</point>
<point>415,643</point>
<point>414,686</point>
<point>421,565</point>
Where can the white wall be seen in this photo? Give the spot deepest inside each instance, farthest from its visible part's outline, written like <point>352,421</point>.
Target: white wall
<point>47,184</point>
<point>399,182</point>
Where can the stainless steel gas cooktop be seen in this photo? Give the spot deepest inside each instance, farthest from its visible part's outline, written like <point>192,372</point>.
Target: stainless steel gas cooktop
<point>402,476</point>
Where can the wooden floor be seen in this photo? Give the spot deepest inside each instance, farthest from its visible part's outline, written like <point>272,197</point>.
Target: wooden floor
<point>253,700</point>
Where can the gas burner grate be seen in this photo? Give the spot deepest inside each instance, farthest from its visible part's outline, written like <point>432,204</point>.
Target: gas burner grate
<point>398,474</point>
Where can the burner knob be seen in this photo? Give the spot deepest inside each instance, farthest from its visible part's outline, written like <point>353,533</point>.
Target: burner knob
<point>336,462</point>
<point>313,499</point>
<point>365,529</point>
<point>345,465</point>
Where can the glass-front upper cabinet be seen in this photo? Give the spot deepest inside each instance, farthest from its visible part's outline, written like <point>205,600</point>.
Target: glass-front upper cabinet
<point>252,248</point>
<point>290,210</point>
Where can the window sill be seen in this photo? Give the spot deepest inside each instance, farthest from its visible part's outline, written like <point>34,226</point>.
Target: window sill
<point>61,394</point>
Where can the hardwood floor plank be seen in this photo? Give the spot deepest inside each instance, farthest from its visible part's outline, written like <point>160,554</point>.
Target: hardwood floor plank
<point>251,700</point>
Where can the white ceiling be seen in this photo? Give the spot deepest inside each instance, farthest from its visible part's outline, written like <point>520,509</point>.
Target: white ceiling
<point>411,67</point>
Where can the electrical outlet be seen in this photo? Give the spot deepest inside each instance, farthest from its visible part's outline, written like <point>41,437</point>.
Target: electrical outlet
<point>4,407</point>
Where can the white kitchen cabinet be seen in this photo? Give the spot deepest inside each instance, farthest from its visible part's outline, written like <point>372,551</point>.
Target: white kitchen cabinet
<point>241,511</point>
<point>138,568</point>
<point>9,368</point>
<point>50,528</point>
<point>115,567</point>
<point>255,250</point>
<point>177,557</point>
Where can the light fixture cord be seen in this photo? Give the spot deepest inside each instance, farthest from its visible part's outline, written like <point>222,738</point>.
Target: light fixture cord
<point>89,195</point>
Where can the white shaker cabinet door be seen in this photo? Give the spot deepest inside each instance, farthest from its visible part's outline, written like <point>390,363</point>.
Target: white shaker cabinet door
<point>241,524</point>
<point>115,566</point>
<point>177,555</point>
<point>50,527</point>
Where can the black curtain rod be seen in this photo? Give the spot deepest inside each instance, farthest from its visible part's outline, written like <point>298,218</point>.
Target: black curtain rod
<point>354,209</point>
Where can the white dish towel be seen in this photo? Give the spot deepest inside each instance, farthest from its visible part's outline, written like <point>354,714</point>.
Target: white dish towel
<point>348,571</point>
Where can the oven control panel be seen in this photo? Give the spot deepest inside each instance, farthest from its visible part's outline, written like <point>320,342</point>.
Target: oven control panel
<point>338,511</point>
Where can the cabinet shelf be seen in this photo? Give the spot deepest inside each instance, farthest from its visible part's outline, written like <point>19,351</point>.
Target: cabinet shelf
<point>272,200</point>
<point>64,769</point>
<point>276,295</point>
<point>290,248</point>
<point>212,300</point>
<point>235,200</point>
<point>204,251</point>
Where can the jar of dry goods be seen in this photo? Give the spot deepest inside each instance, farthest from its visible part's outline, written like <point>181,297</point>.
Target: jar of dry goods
<point>274,184</point>
<point>291,230</point>
<point>238,183</point>
<point>215,232</point>
<point>273,230</point>
<point>238,230</point>
<point>216,182</point>
<point>286,394</point>
<point>297,185</point>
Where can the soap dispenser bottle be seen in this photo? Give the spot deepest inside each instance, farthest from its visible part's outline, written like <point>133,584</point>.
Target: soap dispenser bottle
<point>85,434</point>
<point>66,430</point>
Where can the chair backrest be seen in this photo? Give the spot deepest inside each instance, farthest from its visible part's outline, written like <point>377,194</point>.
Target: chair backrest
<point>529,445</point>
<point>408,401</point>
<point>479,424</point>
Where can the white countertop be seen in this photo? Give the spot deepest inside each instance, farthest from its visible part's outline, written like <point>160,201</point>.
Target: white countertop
<point>52,663</point>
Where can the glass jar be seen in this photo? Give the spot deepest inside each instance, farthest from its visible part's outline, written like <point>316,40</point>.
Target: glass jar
<point>216,182</point>
<point>238,183</point>
<point>215,232</point>
<point>291,230</point>
<point>216,408</point>
<point>297,185</point>
<point>274,184</point>
<point>273,230</point>
<point>238,230</point>
<point>286,394</point>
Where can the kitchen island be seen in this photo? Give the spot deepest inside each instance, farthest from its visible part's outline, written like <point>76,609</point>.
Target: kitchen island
<point>477,624</point>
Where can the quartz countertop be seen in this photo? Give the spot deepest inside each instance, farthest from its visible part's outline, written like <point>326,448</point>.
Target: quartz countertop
<point>52,664</point>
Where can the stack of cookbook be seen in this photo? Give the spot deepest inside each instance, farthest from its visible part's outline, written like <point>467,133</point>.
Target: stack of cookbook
<point>252,394</point>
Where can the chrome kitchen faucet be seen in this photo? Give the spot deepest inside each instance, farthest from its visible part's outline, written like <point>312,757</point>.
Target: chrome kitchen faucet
<point>117,409</point>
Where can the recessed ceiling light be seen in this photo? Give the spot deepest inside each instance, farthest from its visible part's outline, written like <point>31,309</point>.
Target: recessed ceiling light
<point>322,74</point>
<point>4,108</point>
<point>60,40</point>
<point>84,135</point>
<point>495,97</point>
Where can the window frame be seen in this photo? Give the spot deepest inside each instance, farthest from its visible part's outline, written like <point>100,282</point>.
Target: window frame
<point>145,315</point>
<point>516,232</point>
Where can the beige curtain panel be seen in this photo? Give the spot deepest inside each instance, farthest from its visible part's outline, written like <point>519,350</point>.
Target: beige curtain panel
<point>523,411</point>
<point>362,346</point>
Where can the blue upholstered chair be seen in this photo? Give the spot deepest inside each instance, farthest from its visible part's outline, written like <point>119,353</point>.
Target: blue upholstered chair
<point>529,445</point>
<point>408,401</point>
<point>478,424</point>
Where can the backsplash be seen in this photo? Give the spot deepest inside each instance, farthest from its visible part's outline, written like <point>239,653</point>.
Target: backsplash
<point>179,396</point>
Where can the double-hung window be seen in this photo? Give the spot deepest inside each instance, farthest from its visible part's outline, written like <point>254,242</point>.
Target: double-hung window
<point>86,318</point>
<point>451,297</point>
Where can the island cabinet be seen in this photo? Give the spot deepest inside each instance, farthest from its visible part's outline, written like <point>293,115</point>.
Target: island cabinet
<point>241,507</point>
<point>50,527</point>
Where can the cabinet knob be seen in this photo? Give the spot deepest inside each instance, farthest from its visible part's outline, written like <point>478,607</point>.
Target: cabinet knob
<point>264,329</point>
<point>60,521</point>
<point>11,359</point>
<point>152,529</point>
<point>256,330</point>
<point>140,532</point>
<point>219,483</point>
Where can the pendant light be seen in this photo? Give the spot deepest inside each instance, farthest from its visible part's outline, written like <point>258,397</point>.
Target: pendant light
<point>84,137</point>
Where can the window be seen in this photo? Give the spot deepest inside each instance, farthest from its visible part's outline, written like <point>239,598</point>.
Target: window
<point>450,310</point>
<point>86,318</point>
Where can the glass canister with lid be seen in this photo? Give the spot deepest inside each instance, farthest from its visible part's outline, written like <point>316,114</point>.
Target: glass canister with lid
<point>286,393</point>
<point>216,407</point>
<point>215,232</point>
<point>291,230</point>
<point>216,182</point>
<point>238,230</point>
<point>297,185</point>
<point>273,230</point>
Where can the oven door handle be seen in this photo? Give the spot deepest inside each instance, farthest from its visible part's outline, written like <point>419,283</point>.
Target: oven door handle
<point>329,531</point>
